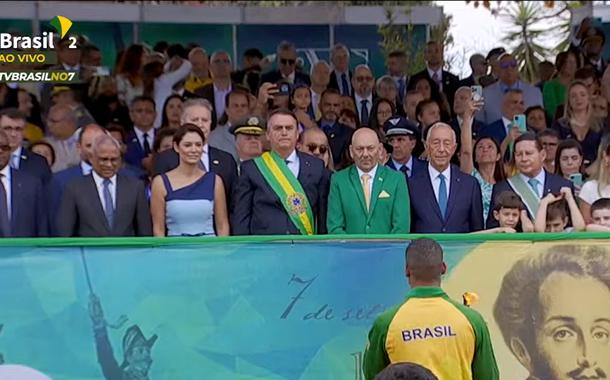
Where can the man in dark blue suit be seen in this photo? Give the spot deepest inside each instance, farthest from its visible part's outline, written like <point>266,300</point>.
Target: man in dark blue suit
<point>260,208</point>
<point>22,211</point>
<point>402,135</point>
<point>287,63</point>
<point>512,104</point>
<point>339,136</point>
<point>533,182</point>
<point>140,140</point>
<point>341,76</point>
<point>12,122</point>
<point>443,198</point>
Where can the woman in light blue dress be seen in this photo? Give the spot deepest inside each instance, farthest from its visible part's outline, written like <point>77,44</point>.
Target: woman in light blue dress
<point>188,201</point>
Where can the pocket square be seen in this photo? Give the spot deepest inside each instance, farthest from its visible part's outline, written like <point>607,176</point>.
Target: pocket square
<point>384,194</point>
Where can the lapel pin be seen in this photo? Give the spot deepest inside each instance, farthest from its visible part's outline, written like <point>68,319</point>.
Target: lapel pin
<point>24,157</point>
<point>215,162</point>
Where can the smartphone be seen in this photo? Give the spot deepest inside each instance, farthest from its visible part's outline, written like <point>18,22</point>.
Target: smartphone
<point>102,71</point>
<point>477,93</point>
<point>576,179</point>
<point>520,121</point>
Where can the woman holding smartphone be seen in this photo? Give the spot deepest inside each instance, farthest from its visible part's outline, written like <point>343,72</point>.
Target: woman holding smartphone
<point>568,163</point>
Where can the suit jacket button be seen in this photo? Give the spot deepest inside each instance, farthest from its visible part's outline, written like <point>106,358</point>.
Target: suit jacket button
<point>444,229</point>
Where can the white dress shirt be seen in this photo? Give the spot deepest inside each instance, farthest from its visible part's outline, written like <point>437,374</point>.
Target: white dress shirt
<point>6,181</point>
<point>315,102</point>
<point>16,158</point>
<point>99,184</point>
<point>140,135</point>
<point>371,180</point>
<point>219,100</point>
<point>85,168</point>
<point>436,182</point>
<point>369,104</point>
<point>289,78</point>
<point>541,177</point>
<point>205,157</point>
<point>408,164</point>
<point>339,75</point>
<point>293,162</point>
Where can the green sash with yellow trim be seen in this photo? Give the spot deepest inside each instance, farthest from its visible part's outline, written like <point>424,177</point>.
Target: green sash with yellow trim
<point>288,189</point>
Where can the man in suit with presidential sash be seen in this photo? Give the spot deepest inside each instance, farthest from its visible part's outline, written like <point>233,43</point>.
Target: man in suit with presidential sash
<point>368,198</point>
<point>282,192</point>
<point>533,182</point>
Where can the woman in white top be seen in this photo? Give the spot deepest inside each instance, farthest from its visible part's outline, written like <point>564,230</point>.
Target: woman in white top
<point>599,186</point>
<point>159,80</point>
<point>129,74</point>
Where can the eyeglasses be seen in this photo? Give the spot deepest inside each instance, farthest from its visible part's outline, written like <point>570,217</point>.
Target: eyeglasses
<point>509,64</point>
<point>285,61</point>
<point>321,148</point>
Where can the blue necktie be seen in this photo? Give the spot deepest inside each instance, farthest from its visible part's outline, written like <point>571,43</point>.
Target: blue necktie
<point>442,195</point>
<point>5,225</point>
<point>344,84</point>
<point>401,89</point>
<point>364,113</point>
<point>108,206</point>
<point>533,182</point>
<point>405,170</point>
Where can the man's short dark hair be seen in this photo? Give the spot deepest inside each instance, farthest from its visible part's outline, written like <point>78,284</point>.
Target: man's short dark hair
<point>405,371</point>
<point>508,199</point>
<point>585,72</point>
<point>333,91</point>
<point>397,54</point>
<point>557,210</point>
<point>600,204</point>
<point>548,132</point>
<point>253,53</point>
<point>88,48</point>
<point>143,98</point>
<point>424,257</point>
<point>13,113</point>
<point>529,136</point>
<point>534,108</point>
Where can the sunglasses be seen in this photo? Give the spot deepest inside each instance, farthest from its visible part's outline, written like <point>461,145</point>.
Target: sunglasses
<point>321,148</point>
<point>284,61</point>
<point>510,64</point>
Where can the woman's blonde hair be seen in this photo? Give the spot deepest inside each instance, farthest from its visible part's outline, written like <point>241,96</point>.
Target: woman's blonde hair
<point>593,123</point>
<point>601,171</point>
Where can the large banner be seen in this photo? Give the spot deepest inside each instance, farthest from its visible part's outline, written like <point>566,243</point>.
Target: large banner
<point>287,310</point>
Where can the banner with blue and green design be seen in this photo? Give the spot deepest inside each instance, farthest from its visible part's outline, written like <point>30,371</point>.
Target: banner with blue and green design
<point>273,309</point>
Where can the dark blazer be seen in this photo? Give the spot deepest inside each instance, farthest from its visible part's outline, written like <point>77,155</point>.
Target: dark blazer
<point>552,184</point>
<point>450,83</point>
<point>81,212</point>
<point>62,178</point>
<point>419,166</point>
<point>468,81</point>
<point>275,76</point>
<point>258,210</point>
<point>477,127</point>
<point>339,139</point>
<point>221,163</point>
<point>134,153</point>
<point>464,206</point>
<point>28,211</point>
<point>495,130</point>
<point>35,165</point>
<point>336,82</point>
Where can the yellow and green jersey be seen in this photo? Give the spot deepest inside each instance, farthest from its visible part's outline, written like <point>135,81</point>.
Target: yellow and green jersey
<point>431,330</point>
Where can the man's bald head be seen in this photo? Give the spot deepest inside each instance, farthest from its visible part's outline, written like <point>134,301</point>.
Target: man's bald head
<point>365,149</point>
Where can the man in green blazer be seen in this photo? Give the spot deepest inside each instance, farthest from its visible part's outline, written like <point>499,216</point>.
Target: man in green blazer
<point>368,198</point>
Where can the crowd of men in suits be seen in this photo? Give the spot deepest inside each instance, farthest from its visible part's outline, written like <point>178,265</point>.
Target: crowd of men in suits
<point>359,155</point>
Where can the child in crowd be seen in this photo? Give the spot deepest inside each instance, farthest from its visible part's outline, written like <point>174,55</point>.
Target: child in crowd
<point>555,211</point>
<point>600,213</point>
<point>511,214</point>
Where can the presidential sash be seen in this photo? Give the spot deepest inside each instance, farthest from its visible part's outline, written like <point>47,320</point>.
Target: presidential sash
<point>288,189</point>
<point>526,193</point>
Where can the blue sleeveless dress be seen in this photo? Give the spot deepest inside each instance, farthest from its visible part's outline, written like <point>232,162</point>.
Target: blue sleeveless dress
<point>189,211</point>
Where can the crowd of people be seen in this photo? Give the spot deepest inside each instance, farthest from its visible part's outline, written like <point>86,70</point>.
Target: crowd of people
<point>174,142</point>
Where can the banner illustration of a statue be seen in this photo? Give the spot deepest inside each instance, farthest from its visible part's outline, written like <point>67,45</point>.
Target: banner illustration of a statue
<point>137,358</point>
